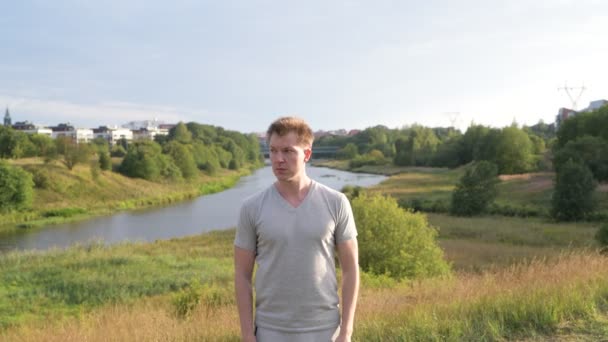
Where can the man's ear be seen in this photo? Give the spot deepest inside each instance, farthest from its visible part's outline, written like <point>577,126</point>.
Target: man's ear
<point>307,154</point>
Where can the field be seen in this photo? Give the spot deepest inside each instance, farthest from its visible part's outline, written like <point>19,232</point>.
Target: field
<point>513,279</point>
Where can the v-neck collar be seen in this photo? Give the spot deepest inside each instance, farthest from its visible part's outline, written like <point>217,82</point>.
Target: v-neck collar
<point>286,203</point>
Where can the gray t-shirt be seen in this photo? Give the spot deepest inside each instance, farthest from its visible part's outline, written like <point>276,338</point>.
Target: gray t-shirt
<point>295,283</point>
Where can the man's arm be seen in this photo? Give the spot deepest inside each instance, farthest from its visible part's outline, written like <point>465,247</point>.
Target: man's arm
<point>348,254</point>
<point>243,273</point>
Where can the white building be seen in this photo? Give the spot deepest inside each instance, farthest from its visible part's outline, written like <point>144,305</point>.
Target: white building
<point>113,134</point>
<point>593,105</point>
<point>76,134</point>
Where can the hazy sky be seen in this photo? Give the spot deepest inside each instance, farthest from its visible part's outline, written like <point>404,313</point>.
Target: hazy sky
<point>338,64</point>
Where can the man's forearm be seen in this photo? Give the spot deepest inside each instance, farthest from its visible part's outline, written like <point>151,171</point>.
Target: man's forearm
<point>244,302</point>
<point>350,291</point>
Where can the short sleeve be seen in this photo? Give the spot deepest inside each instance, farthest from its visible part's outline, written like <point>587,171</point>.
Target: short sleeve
<point>246,236</point>
<point>345,228</point>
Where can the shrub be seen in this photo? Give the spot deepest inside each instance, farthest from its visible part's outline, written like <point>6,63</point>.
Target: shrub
<point>105,162</point>
<point>118,151</point>
<point>602,235</point>
<point>476,189</point>
<point>395,242</point>
<point>351,192</point>
<point>64,212</point>
<point>16,187</point>
<point>211,296</point>
<point>41,178</point>
<point>573,197</point>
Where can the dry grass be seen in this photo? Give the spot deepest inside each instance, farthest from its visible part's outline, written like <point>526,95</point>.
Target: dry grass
<point>390,312</point>
<point>150,320</point>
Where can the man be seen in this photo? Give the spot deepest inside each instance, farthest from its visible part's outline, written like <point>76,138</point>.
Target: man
<point>291,230</point>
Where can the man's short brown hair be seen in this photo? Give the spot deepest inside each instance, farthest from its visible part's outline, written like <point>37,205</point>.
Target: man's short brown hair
<point>286,124</point>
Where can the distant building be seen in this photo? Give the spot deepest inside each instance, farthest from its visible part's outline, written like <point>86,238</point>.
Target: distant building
<point>562,115</point>
<point>7,118</point>
<point>23,126</point>
<point>30,128</point>
<point>76,134</point>
<point>594,105</point>
<point>113,134</point>
<point>565,113</point>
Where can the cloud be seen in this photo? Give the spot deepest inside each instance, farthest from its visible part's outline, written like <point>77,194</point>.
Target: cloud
<point>48,112</point>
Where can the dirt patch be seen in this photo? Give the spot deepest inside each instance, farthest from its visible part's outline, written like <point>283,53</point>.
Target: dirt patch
<point>603,187</point>
<point>536,181</point>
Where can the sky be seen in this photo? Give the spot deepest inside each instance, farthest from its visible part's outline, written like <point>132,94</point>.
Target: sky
<point>347,64</point>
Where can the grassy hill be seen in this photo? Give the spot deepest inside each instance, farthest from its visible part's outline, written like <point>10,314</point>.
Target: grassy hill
<point>62,194</point>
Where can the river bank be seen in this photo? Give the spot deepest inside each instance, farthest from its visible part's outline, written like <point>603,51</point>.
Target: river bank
<point>385,170</point>
<point>62,196</point>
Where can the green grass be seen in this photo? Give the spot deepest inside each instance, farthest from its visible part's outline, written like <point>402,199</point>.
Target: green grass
<point>35,285</point>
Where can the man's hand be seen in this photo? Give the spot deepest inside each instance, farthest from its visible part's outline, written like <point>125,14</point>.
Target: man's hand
<point>251,339</point>
<point>343,337</point>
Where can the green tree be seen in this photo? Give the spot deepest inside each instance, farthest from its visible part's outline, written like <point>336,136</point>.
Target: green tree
<point>16,188</point>
<point>589,150</point>
<point>180,133</point>
<point>513,152</point>
<point>182,157</point>
<point>349,151</point>
<point>71,152</point>
<point>471,144</point>
<point>573,196</point>
<point>396,242</point>
<point>45,145</point>
<point>205,158</point>
<point>105,162</point>
<point>118,151</point>
<point>476,189</point>
<point>145,160</point>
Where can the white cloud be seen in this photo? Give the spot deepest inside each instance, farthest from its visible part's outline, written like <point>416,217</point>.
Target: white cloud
<point>48,112</point>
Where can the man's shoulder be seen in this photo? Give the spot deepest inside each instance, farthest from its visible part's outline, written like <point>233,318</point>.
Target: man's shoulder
<point>328,192</point>
<point>257,197</point>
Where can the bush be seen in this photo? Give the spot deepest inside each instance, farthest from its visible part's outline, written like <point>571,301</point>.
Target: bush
<point>351,191</point>
<point>395,242</point>
<point>16,187</point>
<point>64,212</point>
<point>602,235</point>
<point>105,162</point>
<point>41,178</point>
<point>476,189</point>
<point>374,157</point>
<point>573,197</point>
<point>118,151</point>
<point>211,296</point>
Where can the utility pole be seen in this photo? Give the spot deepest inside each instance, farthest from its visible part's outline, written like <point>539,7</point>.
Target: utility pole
<point>453,117</point>
<point>572,90</point>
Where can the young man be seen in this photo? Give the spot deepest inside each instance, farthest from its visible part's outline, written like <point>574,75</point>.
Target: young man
<point>291,230</point>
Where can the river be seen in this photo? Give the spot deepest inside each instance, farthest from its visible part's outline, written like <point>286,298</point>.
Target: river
<point>203,214</point>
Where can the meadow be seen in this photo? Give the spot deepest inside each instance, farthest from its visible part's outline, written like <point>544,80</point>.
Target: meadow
<point>513,279</point>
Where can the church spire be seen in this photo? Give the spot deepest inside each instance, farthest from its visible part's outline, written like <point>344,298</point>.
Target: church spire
<point>7,118</point>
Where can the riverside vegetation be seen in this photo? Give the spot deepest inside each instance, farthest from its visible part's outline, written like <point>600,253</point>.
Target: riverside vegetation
<point>512,273</point>
<point>48,181</point>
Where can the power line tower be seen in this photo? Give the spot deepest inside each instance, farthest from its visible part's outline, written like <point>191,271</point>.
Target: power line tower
<point>572,90</point>
<point>453,117</point>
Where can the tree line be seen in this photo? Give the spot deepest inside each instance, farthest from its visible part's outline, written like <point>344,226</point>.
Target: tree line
<point>512,149</point>
<point>183,154</point>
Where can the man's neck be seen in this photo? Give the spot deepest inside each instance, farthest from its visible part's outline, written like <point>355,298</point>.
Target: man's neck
<point>294,189</point>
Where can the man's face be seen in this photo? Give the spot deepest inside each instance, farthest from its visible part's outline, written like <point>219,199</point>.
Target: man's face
<point>288,157</point>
